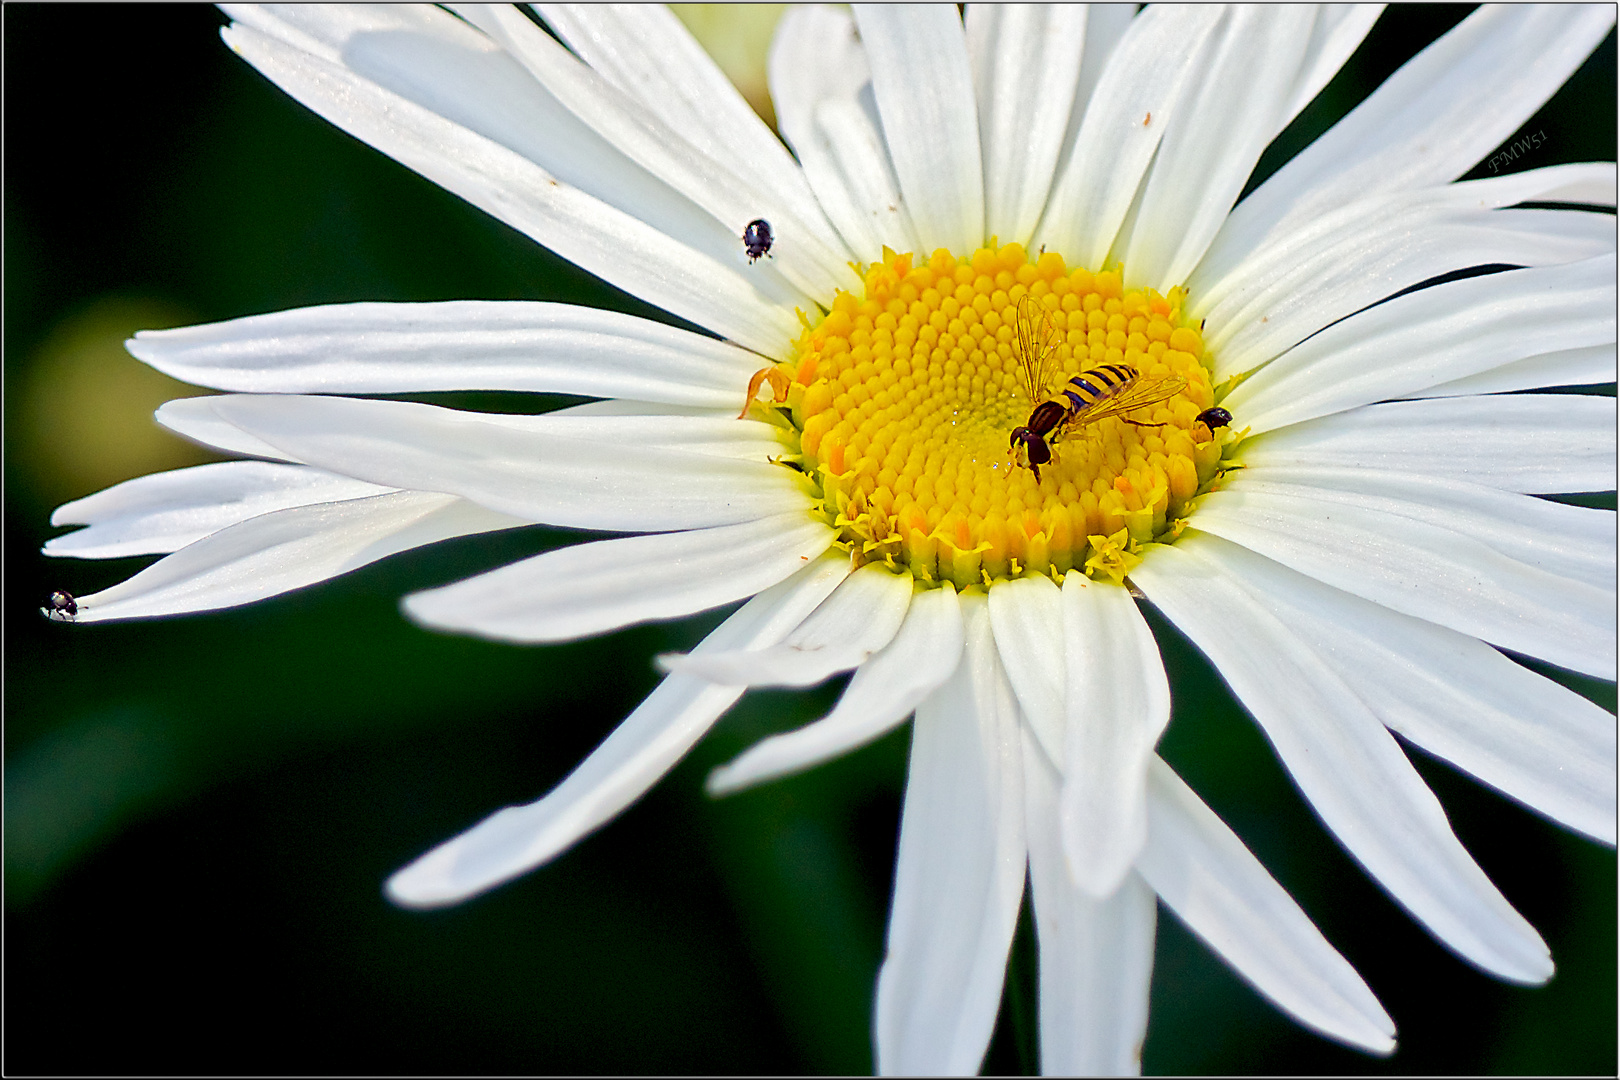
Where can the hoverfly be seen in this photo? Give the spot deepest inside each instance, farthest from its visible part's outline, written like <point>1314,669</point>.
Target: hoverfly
<point>1086,398</point>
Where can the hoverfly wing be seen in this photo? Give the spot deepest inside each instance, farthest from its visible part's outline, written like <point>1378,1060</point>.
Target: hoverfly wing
<point>1038,341</point>
<point>1138,395</point>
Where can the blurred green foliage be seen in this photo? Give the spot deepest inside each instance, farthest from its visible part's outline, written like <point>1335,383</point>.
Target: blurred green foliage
<point>200,812</point>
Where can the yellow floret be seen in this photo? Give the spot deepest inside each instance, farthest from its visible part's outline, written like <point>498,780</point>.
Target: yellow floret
<point>904,399</point>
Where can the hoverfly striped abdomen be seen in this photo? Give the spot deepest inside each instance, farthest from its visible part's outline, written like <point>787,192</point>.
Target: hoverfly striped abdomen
<point>1098,384</point>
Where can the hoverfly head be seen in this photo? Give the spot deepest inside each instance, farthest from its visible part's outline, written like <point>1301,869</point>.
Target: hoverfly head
<point>1035,451</point>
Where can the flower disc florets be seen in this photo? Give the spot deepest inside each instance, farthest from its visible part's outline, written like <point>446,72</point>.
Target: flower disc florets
<point>903,401</point>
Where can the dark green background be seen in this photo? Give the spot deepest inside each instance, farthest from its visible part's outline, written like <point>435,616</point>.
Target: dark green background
<point>200,812</point>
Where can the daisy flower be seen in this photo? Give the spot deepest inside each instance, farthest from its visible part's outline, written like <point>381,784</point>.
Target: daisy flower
<point>1015,360</point>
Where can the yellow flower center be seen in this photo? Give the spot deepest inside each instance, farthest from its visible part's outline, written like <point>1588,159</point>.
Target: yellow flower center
<point>904,402</point>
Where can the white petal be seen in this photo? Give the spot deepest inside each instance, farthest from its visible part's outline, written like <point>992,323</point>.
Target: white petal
<point>530,474</point>
<point>647,52</point>
<point>1575,542</point>
<point>1118,704</point>
<point>855,622</point>
<point>195,419</point>
<point>1568,367</point>
<point>923,85</point>
<point>1106,26</point>
<point>1026,63</point>
<point>808,254</point>
<point>1532,443</point>
<point>1236,285</point>
<point>959,876</point>
<point>631,407</point>
<point>1096,956</point>
<point>880,695</point>
<point>720,436</point>
<point>165,511</point>
<point>288,549</point>
<point>1451,694</point>
<point>641,749</point>
<point>1294,290</point>
<point>1027,616</point>
<point>1234,104</point>
<point>817,71</point>
<point>594,588</point>
<point>426,56</point>
<point>1430,571</point>
<point>1434,118</point>
<point>650,425</point>
<point>1431,336</point>
<point>1144,77</point>
<point>1209,879</point>
<point>602,239</point>
<point>849,129</point>
<point>1338,31</point>
<point>456,345</point>
<point>1346,764</point>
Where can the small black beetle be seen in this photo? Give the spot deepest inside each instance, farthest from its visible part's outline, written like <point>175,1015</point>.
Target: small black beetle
<point>1216,417</point>
<point>757,238</point>
<point>60,607</point>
